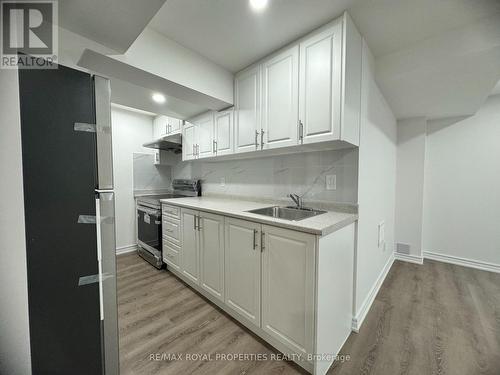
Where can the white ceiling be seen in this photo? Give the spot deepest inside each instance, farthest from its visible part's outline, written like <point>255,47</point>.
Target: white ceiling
<point>434,58</point>
<point>113,23</point>
<point>230,34</point>
<point>391,25</point>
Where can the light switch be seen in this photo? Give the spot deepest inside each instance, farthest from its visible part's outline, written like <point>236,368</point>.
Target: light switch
<point>331,182</point>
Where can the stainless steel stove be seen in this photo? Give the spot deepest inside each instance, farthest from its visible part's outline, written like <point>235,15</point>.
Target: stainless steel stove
<point>149,231</point>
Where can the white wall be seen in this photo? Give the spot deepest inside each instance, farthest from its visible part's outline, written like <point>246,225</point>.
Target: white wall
<point>15,357</point>
<point>130,131</point>
<point>278,176</point>
<point>462,186</point>
<point>410,185</point>
<point>377,182</point>
<point>159,55</point>
<point>71,47</point>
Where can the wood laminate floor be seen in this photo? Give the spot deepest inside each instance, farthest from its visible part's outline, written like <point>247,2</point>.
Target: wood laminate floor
<point>430,319</point>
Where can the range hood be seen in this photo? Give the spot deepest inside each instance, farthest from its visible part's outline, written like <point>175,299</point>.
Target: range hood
<point>171,143</point>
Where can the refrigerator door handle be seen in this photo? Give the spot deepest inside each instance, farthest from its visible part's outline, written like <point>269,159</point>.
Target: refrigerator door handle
<point>106,255</point>
<point>99,254</point>
<point>103,133</point>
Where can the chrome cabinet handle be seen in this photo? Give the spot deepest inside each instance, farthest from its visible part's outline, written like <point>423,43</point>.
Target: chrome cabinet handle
<point>194,221</point>
<point>169,230</point>
<point>254,239</point>
<point>261,139</point>
<point>262,243</point>
<point>301,131</point>
<point>256,139</point>
<point>214,146</point>
<point>199,223</point>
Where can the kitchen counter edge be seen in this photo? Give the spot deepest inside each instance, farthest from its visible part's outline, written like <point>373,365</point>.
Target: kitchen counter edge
<point>315,225</point>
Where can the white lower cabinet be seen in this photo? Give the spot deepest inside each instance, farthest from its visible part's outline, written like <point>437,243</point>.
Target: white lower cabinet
<point>291,288</point>
<point>171,254</point>
<point>189,253</point>
<point>288,287</point>
<point>211,242</point>
<point>242,268</point>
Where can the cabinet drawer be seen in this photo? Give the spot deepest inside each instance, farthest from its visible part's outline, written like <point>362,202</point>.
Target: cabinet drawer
<point>171,253</point>
<point>170,211</point>
<point>171,230</point>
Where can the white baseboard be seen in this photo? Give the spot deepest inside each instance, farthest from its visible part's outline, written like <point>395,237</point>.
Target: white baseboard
<point>357,321</point>
<point>480,265</point>
<point>409,258</point>
<point>126,249</point>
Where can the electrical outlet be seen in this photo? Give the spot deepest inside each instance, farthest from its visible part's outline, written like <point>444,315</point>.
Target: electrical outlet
<point>331,182</point>
<point>381,234</point>
<point>222,181</point>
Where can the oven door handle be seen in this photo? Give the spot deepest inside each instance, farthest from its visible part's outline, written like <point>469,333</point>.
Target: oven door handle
<point>149,211</point>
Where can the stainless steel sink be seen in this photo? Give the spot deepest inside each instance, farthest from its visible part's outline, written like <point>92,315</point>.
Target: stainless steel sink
<point>287,213</point>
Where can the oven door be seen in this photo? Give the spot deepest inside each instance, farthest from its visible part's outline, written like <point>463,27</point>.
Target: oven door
<point>149,229</point>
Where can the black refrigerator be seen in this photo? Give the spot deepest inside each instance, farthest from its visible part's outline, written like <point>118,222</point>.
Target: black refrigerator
<point>70,221</point>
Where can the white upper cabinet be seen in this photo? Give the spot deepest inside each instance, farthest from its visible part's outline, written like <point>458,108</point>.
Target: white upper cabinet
<point>330,84</point>
<point>205,135</point>
<point>174,125</point>
<point>320,90</point>
<point>247,110</point>
<point>189,142</point>
<point>280,99</point>
<point>309,92</point>
<point>160,126</point>
<point>164,125</point>
<point>224,132</point>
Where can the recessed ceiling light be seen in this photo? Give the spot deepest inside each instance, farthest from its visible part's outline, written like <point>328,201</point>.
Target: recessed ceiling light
<point>258,5</point>
<point>159,98</point>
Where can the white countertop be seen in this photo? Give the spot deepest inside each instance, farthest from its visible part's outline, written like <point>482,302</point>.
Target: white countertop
<point>322,225</point>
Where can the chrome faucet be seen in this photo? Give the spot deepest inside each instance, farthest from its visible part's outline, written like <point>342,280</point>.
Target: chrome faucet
<point>297,200</point>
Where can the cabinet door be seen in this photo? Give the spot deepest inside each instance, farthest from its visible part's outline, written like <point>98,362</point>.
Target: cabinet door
<point>280,94</point>
<point>288,287</point>
<point>242,268</point>
<point>247,110</point>
<point>224,128</point>
<point>205,135</point>
<point>211,235</point>
<point>174,125</point>
<point>188,142</point>
<point>320,85</point>
<point>159,126</point>
<point>189,253</point>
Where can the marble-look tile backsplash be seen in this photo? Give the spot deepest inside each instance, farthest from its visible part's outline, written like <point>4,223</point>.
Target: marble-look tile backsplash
<point>278,176</point>
<point>150,177</point>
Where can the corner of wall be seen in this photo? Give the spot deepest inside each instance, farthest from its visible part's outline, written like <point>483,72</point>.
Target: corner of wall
<point>15,357</point>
